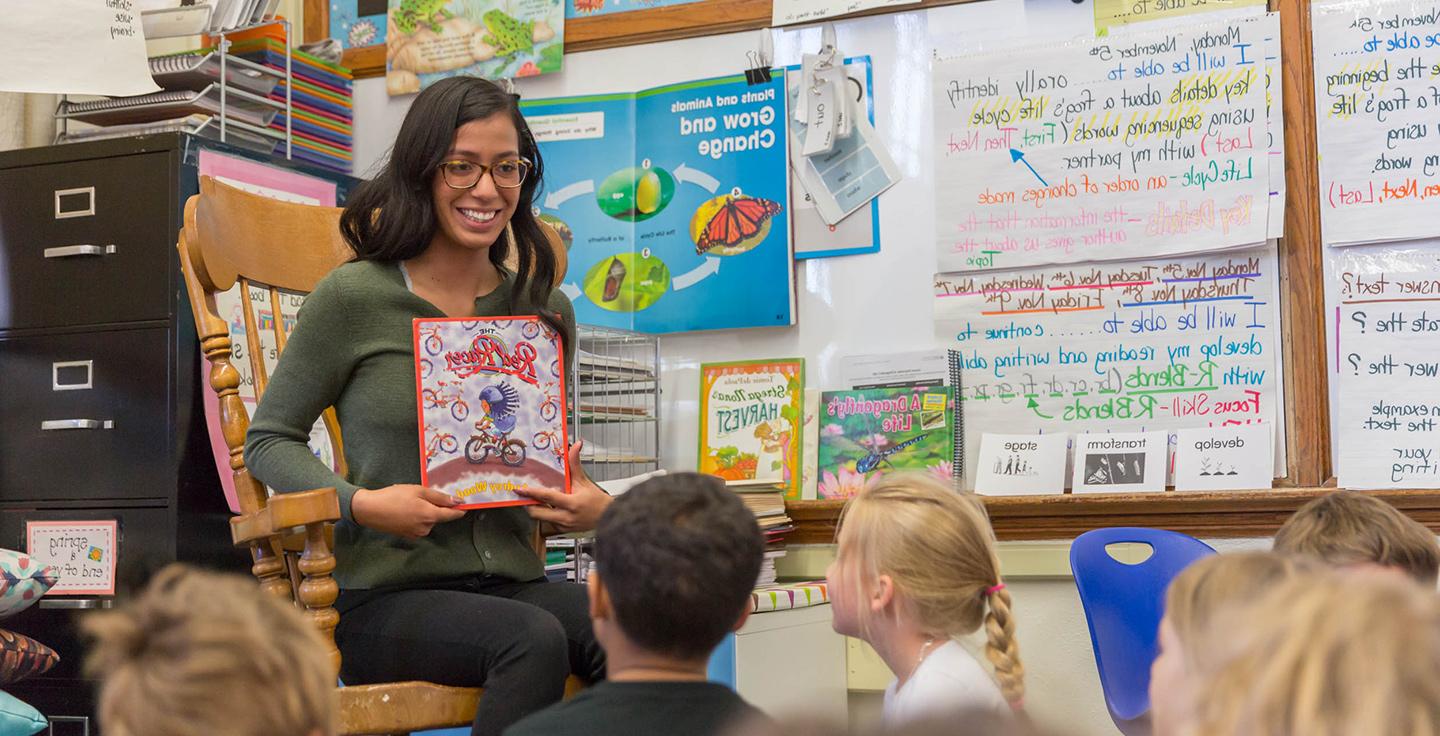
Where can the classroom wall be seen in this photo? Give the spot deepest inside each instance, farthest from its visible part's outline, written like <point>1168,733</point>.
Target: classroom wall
<point>838,298</point>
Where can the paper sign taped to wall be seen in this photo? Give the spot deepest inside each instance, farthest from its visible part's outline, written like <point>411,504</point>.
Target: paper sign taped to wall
<point>82,552</point>
<point>1100,149</point>
<point>1376,65</point>
<point>1120,462</point>
<point>1385,365</point>
<point>86,47</point>
<point>1021,464</point>
<point>1233,458</point>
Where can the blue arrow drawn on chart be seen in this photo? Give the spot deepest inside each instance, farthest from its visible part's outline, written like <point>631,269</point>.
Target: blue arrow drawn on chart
<point>696,275</point>
<point>695,176</point>
<point>554,199</point>
<point>1017,155</point>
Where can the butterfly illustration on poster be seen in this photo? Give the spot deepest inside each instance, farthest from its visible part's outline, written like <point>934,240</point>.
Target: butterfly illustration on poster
<point>673,203</point>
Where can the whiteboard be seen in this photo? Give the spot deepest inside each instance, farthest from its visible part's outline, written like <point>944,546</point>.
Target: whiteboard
<point>851,305</point>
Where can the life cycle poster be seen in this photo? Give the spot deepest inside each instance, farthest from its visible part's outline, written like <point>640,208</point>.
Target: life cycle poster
<point>675,203</point>
<point>1126,346</point>
<point>1151,144</point>
<point>1385,365</point>
<point>1377,116</point>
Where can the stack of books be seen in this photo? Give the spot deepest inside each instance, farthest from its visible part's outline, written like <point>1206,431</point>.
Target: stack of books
<point>321,97</point>
<point>767,501</point>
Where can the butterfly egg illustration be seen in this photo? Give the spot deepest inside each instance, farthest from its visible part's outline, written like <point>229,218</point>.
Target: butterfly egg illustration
<point>636,193</point>
<point>647,193</point>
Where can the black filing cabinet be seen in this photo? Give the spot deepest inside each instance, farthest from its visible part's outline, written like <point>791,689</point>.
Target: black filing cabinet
<point>101,413</point>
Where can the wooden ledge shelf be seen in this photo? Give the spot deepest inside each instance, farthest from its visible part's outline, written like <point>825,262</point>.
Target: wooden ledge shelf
<point>1227,514</point>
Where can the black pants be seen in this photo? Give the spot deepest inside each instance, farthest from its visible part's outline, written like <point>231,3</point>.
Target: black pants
<point>517,640</point>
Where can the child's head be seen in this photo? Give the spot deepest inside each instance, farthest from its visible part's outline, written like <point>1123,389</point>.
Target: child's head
<point>914,552</point>
<point>1347,528</point>
<point>1325,654</point>
<point>1192,601</point>
<point>676,558</point>
<point>200,652</point>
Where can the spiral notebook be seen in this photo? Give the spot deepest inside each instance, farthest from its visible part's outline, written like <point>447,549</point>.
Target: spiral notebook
<point>908,370</point>
<point>167,105</point>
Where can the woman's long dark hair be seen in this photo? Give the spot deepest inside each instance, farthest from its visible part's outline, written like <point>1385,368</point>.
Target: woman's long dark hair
<point>392,217</point>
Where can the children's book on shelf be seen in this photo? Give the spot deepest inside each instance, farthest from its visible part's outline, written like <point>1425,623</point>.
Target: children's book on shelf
<point>491,400</point>
<point>872,431</point>
<point>750,422</point>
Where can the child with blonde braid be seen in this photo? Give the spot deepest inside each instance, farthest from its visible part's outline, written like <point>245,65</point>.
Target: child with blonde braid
<point>917,568</point>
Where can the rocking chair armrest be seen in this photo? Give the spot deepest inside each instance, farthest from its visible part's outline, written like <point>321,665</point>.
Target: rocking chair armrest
<point>286,511</point>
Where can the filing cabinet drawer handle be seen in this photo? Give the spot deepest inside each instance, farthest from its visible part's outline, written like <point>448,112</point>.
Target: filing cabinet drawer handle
<point>54,424</point>
<point>70,251</point>
<point>76,604</point>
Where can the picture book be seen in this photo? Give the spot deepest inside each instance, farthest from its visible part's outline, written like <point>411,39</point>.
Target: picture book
<point>674,204</point>
<point>878,430</point>
<point>430,40</point>
<point>750,422</point>
<point>810,446</point>
<point>491,400</point>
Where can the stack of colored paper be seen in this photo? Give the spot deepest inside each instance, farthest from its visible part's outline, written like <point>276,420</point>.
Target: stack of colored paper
<point>320,95</point>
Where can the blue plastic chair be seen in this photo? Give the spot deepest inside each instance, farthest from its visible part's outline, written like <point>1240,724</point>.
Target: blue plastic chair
<point>1123,606</point>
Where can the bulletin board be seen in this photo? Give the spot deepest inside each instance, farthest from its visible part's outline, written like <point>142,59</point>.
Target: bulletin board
<point>838,311</point>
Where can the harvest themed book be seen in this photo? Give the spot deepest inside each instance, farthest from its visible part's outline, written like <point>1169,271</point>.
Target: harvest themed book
<point>873,431</point>
<point>491,399</point>
<point>750,422</point>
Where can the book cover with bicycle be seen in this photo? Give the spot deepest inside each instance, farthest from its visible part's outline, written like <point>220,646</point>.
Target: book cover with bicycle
<point>491,400</point>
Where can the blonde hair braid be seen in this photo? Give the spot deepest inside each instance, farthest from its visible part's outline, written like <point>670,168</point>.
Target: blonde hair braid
<point>1002,649</point>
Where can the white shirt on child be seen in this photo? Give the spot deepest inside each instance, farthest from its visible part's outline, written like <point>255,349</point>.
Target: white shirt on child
<point>948,680</point>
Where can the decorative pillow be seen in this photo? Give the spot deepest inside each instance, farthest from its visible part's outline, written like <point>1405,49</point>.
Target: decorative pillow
<point>22,581</point>
<point>19,719</point>
<point>21,657</point>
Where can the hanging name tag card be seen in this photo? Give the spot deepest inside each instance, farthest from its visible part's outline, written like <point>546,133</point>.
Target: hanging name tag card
<point>82,552</point>
<point>820,130</point>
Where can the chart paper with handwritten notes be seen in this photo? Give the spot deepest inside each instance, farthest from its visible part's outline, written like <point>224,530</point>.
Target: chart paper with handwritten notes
<point>1111,13</point>
<point>1126,346</point>
<point>1101,149</point>
<point>1385,361</point>
<point>1377,112</point>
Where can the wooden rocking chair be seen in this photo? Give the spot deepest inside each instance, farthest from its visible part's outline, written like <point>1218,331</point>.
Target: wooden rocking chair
<point>231,236</point>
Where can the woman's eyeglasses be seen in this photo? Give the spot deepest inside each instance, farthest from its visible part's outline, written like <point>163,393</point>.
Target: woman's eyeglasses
<point>466,174</point>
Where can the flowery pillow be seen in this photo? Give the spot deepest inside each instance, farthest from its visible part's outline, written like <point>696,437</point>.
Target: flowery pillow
<point>22,581</point>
